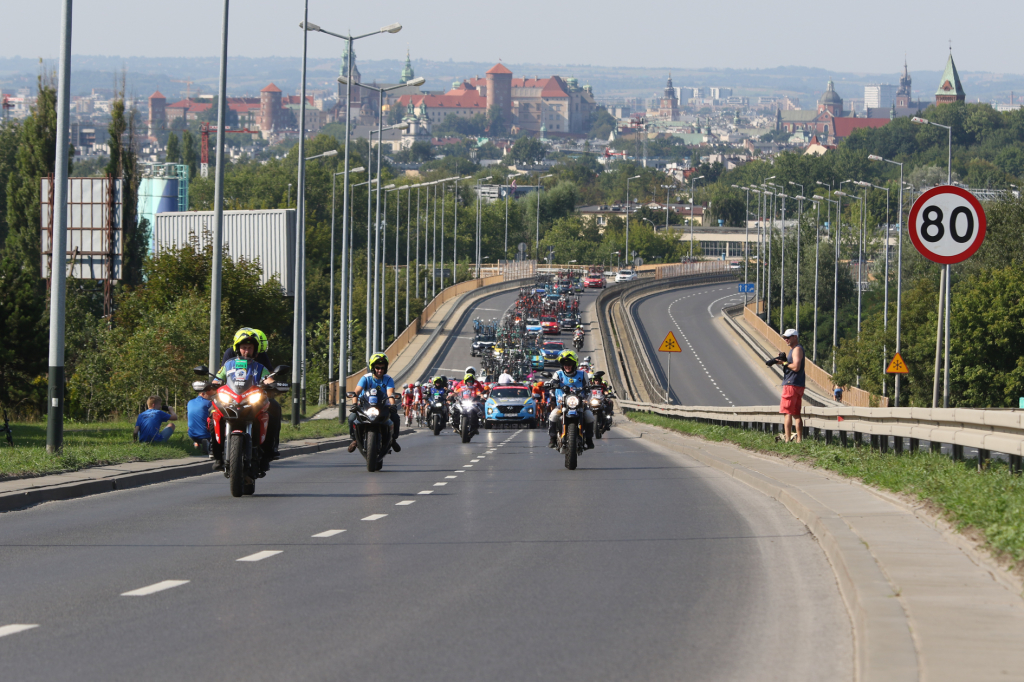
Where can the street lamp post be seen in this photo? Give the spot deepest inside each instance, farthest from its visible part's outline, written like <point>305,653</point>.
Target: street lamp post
<point>799,227</point>
<point>899,269</point>
<point>330,322</point>
<point>668,189</point>
<point>536,246</point>
<point>782,267</point>
<point>692,201</point>
<point>746,239</point>
<point>835,286</point>
<point>817,241</point>
<point>635,177</point>
<point>479,224</point>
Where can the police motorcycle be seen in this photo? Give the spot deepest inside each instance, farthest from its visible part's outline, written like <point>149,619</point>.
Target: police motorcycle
<point>372,426</point>
<point>239,417</point>
<point>437,414</point>
<point>573,403</point>
<point>465,413</point>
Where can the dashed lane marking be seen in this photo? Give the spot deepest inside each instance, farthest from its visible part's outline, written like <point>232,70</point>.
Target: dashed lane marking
<point>374,517</point>
<point>451,476</point>
<point>460,471</point>
<point>474,460</point>
<point>404,503</point>
<point>440,483</point>
<point>260,556</point>
<point>690,347</point>
<point>155,587</point>
<point>15,628</point>
<point>328,534</point>
<point>425,492</point>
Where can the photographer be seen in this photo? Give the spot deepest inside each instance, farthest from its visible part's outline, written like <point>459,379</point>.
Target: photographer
<point>793,382</point>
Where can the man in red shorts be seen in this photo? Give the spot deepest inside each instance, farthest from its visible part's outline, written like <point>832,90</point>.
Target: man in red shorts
<point>793,382</point>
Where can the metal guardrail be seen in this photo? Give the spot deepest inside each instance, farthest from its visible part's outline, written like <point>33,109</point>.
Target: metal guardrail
<point>989,431</point>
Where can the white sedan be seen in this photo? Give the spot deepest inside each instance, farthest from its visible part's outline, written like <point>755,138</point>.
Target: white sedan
<point>625,276</point>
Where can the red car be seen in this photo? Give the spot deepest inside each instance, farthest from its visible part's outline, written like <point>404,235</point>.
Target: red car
<point>593,282</point>
<point>549,325</point>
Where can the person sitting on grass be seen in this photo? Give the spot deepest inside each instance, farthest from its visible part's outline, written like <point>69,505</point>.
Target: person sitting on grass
<point>147,426</point>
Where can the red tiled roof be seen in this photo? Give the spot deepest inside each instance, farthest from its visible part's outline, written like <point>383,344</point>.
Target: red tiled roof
<point>549,87</point>
<point>271,88</point>
<point>296,99</point>
<point>193,106</point>
<point>461,99</point>
<point>499,68</point>
<point>845,126</point>
<point>157,95</point>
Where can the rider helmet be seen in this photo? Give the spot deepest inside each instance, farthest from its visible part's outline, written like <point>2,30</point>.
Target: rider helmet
<point>567,357</point>
<point>468,378</point>
<point>471,370</point>
<point>378,358</point>
<point>264,344</point>
<point>245,335</point>
<point>443,379</point>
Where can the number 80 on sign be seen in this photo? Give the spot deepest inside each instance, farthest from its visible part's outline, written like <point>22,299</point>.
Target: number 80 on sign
<point>947,224</point>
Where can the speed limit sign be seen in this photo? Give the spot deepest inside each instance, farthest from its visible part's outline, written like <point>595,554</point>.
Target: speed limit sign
<point>947,224</point>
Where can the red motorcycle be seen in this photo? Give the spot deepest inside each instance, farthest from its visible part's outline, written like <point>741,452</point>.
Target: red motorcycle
<point>239,418</point>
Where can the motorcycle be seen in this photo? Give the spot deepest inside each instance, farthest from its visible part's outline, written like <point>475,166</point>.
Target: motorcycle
<point>570,440</point>
<point>239,417</point>
<point>465,416</point>
<point>598,405</point>
<point>577,341</point>
<point>437,416</point>
<point>372,427</point>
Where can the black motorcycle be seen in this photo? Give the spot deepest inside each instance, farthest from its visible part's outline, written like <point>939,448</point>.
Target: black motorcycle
<point>599,406</point>
<point>437,416</point>
<point>573,403</point>
<point>465,414</point>
<point>372,426</point>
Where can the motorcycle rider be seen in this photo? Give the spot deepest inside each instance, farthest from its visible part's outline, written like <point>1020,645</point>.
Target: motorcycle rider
<point>245,345</point>
<point>377,378</point>
<point>470,383</point>
<point>273,406</point>
<point>569,377</point>
<point>609,394</point>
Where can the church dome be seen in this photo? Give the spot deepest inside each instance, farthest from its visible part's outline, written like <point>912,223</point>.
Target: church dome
<point>407,72</point>
<point>831,97</point>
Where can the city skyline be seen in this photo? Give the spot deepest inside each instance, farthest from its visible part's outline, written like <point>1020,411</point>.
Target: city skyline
<point>875,46</point>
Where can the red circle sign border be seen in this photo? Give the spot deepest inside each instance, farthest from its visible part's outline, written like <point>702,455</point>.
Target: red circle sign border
<point>919,205</point>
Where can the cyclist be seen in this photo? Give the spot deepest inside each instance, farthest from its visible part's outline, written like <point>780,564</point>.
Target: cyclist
<point>408,399</point>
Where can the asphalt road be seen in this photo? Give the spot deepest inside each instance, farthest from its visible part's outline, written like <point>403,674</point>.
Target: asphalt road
<point>713,367</point>
<point>479,561</point>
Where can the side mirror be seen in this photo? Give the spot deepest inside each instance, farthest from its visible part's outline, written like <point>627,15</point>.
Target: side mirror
<point>281,369</point>
<point>350,394</point>
<point>202,370</point>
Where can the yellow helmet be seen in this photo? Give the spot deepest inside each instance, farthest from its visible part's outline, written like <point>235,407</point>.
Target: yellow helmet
<point>246,334</point>
<point>568,355</point>
<point>378,357</point>
<point>264,343</point>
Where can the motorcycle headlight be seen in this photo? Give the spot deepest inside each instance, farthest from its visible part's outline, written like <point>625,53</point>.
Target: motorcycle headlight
<point>594,402</point>
<point>438,405</point>
<point>255,399</point>
<point>372,412</point>
<point>467,404</point>
<point>224,399</point>
<point>572,402</point>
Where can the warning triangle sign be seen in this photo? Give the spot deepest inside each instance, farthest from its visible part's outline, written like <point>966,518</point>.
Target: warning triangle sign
<point>670,345</point>
<point>897,366</point>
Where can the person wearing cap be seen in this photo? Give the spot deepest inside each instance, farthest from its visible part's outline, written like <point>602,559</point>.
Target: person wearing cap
<point>793,382</point>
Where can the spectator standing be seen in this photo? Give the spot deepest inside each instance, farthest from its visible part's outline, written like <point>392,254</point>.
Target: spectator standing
<point>793,383</point>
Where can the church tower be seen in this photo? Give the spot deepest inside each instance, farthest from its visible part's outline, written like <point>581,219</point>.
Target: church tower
<point>831,101</point>
<point>668,107</point>
<point>950,89</point>
<point>407,72</point>
<point>903,93</point>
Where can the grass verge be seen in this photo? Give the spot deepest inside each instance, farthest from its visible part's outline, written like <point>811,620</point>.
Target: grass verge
<point>989,503</point>
<point>100,444</point>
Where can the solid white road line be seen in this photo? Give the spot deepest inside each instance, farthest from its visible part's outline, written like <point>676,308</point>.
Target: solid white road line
<point>404,503</point>
<point>374,517</point>
<point>15,628</point>
<point>260,556</point>
<point>328,534</point>
<point>440,483</point>
<point>156,587</point>
<point>425,492</point>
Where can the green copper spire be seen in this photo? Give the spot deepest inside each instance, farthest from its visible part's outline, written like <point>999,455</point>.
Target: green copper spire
<point>407,73</point>
<point>949,84</point>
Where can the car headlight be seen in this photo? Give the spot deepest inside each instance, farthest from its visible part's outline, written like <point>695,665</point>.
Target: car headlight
<point>529,410</point>
<point>572,402</point>
<point>372,412</point>
<point>490,410</point>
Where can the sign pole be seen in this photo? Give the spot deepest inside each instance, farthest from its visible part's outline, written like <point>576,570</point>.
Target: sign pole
<point>668,387</point>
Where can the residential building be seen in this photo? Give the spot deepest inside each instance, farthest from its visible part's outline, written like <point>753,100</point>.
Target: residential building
<point>721,93</point>
<point>881,96</point>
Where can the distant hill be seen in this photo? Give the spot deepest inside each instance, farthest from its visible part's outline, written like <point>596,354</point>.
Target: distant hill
<point>248,75</point>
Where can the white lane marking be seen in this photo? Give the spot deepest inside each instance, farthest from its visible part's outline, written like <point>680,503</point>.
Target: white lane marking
<point>260,556</point>
<point>481,457</point>
<point>721,299</point>
<point>451,476</point>
<point>467,466</point>
<point>424,492</point>
<point>690,346</point>
<point>155,587</point>
<point>460,471</point>
<point>328,534</point>
<point>15,628</point>
<point>404,503</point>
<point>474,460</point>
<point>374,517</point>
<point>440,483</point>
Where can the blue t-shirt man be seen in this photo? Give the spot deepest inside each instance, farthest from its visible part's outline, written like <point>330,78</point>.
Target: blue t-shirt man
<point>147,425</point>
<point>198,413</point>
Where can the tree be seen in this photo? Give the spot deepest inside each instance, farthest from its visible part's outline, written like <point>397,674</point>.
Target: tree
<point>528,151</point>
<point>190,153</point>
<point>124,164</point>
<point>600,124</point>
<point>497,126</point>
<point>173,149</point>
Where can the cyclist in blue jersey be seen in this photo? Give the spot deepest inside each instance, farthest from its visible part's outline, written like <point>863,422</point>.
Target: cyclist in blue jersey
<point>378,378</point>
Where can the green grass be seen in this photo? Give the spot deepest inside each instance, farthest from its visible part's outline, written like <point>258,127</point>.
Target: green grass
<point>100,444</point>
<point>990,502</point>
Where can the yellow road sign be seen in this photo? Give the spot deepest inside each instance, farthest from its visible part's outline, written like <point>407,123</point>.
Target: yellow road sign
<point>670,345</point>
<point>897,366</point>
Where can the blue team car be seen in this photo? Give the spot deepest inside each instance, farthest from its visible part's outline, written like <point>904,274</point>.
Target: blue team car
<point>511,404</point>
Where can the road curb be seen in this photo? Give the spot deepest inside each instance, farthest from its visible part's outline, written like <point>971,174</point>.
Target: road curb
<point>97,480</point>
<point>884,648</point>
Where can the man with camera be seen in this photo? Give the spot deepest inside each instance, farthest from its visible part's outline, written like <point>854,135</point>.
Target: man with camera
<point>793,382</point>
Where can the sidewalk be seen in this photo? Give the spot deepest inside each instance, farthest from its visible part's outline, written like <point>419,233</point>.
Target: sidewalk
<point>924,604</point>
<point>25,492</point>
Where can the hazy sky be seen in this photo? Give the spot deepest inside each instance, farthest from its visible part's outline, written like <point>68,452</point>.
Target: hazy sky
<point>864,36</point>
